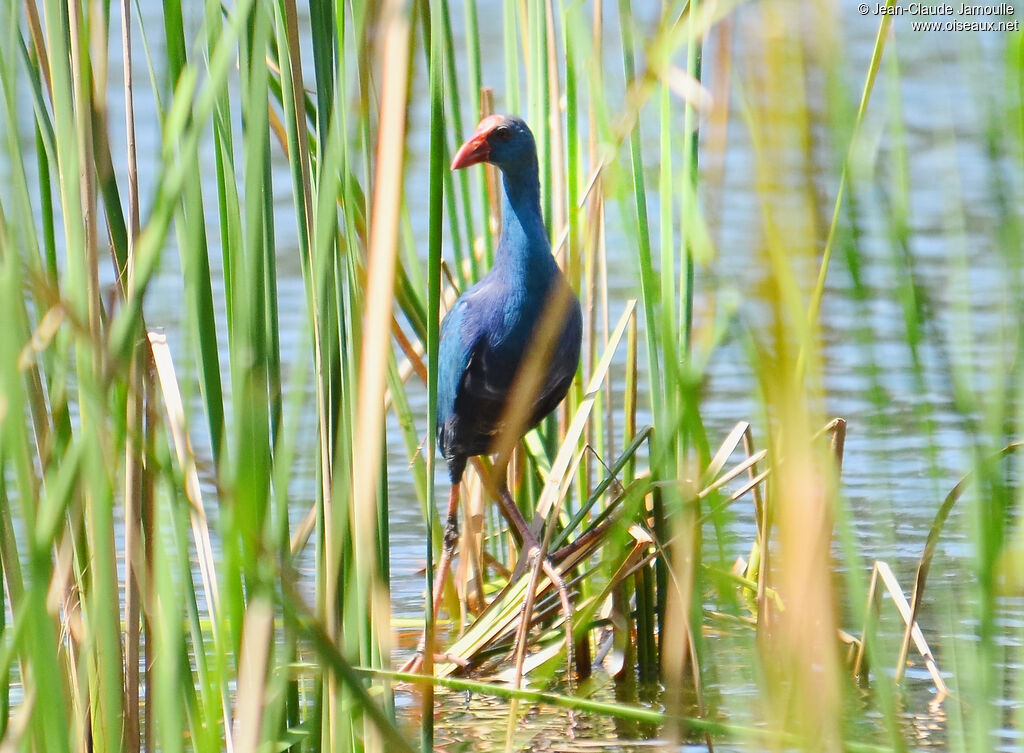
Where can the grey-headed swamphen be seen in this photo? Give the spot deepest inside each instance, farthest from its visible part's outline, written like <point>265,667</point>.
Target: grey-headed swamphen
<point>521,313</point>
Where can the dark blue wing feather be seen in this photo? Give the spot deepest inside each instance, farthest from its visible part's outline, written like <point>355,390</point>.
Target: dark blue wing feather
<point>471,389</point>
<point>483,341</point>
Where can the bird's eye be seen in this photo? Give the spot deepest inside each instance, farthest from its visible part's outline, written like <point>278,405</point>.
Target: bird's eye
<point>503,133</point>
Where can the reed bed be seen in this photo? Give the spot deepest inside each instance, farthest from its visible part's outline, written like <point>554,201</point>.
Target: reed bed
<point>167,588</point>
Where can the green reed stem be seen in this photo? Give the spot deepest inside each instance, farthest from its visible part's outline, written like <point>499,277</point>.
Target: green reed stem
<point>436,191</point>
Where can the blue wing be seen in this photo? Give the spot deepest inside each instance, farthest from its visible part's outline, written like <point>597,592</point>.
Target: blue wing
<point>480,352</point>
<point>470,389</point>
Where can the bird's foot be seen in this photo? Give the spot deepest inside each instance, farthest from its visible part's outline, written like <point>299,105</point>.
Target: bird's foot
<point>414,665</point>
<point>550,569</point>
<point>549,566</point>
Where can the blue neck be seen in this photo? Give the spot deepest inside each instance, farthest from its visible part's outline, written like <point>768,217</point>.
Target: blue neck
<point>523,249</point>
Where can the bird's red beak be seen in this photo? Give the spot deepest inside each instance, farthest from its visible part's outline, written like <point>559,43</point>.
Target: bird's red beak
<point>476,149</point>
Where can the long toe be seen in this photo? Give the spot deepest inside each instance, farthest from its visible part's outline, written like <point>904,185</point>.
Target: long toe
<point>550,569</point>
<point>413,665</point>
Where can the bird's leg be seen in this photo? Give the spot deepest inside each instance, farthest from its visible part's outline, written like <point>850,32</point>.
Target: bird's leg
<point>451,538</point>
<point>530,544</point>
<point>530,551</point>
<point>521,529</point>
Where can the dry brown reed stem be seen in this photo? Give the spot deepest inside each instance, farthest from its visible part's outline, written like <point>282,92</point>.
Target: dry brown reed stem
<point>298,103</point>
<point>471,547</point>
<point>376,342</point>
<point>714,135</point>
<point>170,394</point>
<point>881,571</point>
<point>802,636</point>
<point>681,554</point>
<point>413,355</point>
<point>595,226</point>
<point>490,171</point>
<point>588,287</point>
<point>254,659</point>
<point>35,30</point>
<point>557,156</point>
